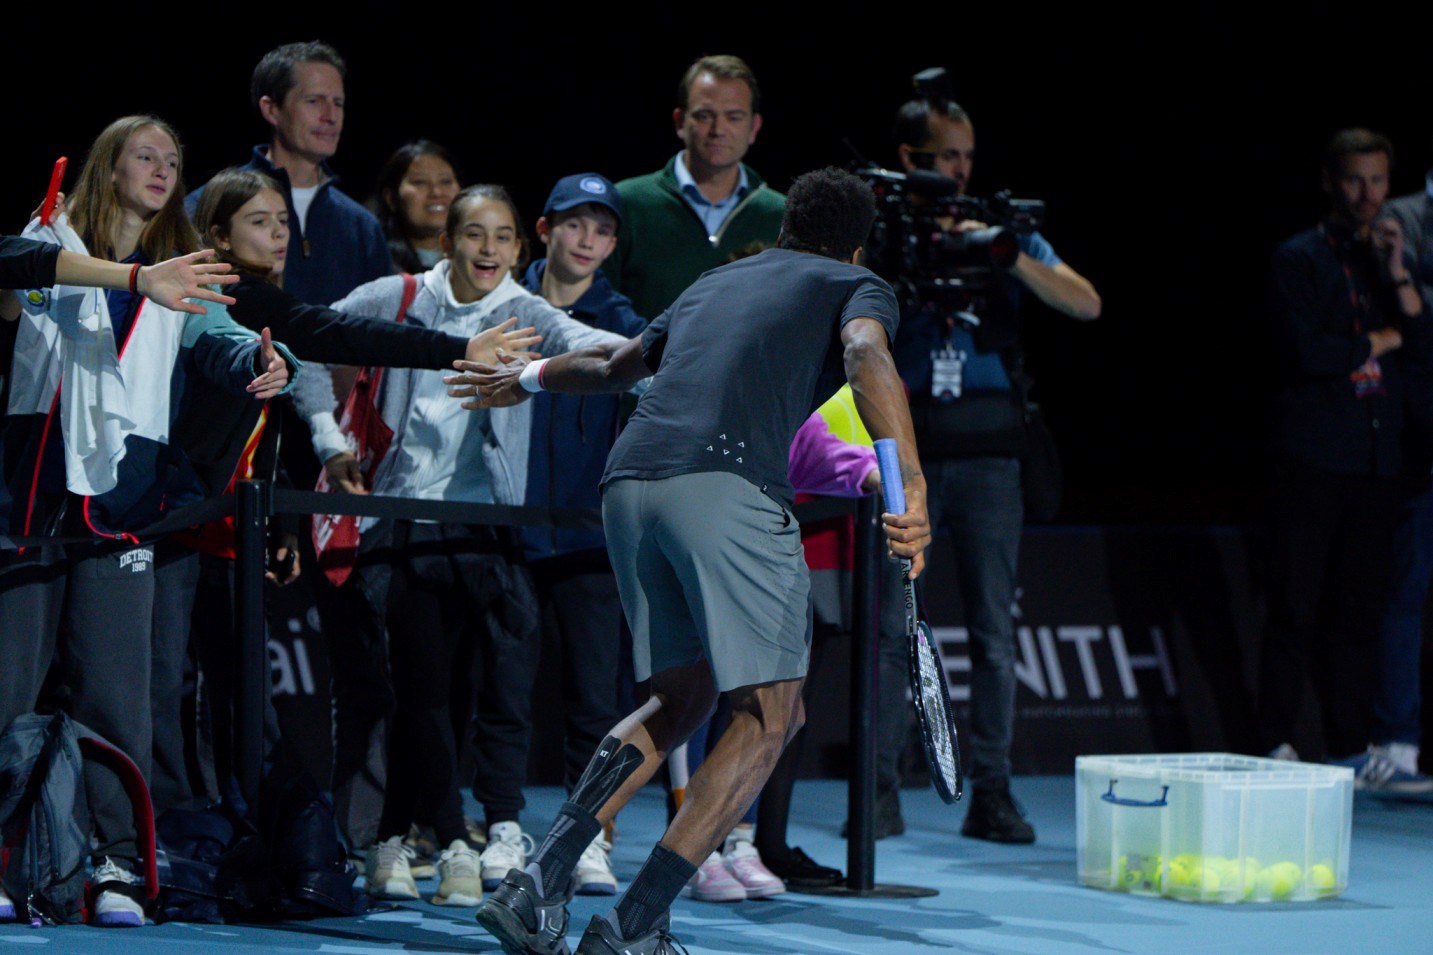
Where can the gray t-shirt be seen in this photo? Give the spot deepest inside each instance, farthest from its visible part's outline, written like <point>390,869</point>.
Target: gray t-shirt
<point>740,360</point>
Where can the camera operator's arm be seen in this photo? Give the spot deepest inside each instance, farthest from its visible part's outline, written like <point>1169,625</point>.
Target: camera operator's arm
<point>1059,286</point>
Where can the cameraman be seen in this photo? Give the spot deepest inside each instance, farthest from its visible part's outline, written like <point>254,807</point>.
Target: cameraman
<point>968,401</point>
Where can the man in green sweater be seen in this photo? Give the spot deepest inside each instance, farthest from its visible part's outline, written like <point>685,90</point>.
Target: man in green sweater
<point>705,206</point>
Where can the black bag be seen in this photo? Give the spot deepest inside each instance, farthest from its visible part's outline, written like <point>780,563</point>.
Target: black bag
<point>45,818</point>
<point>217,866</point>
<point>213,867</point>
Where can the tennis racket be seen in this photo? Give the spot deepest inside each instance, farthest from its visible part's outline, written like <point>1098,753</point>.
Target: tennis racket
<point>928,684</point>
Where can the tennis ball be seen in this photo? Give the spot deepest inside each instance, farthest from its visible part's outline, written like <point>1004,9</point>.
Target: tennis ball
<point>1129,878</point>
<point>1322,878</point>
<point>1250,875</point>
<point>1204,878</point>
<point>1178,875</point>
<point>1279,880</point>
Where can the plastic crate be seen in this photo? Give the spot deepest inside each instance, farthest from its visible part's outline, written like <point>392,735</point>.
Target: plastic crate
<point>1213,827</point>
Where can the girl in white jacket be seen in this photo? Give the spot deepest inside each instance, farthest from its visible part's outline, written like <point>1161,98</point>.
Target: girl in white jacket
<point>448,592</point>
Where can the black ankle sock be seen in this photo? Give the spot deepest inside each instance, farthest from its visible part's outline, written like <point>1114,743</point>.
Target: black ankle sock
<point>653,891</point>
<point>571,833</point>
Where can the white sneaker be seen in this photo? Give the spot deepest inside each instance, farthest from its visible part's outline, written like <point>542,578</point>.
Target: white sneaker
<point>593,874</point>
<point>115,907</point>
<point>713,882</point>
<point>508,849</point>
<point>1374,771</point>
<point>458,880</point>
<point>1404,756</point>
<point>744,863</point>
<point>7,908</point>
<point>388,872</point>
<point>1284,752</point>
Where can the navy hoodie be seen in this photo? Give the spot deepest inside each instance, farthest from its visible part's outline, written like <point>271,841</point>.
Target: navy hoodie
<point>572,434</point>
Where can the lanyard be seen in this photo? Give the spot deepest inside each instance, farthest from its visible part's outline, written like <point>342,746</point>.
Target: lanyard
<point>1358,298</point>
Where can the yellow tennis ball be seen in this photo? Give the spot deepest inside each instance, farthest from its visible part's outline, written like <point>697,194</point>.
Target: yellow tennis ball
<point>1205,879</point>
<point>1279,880</point>
<point>1251,875</point>
<point>1323,879</point>
<point>1129,878</point>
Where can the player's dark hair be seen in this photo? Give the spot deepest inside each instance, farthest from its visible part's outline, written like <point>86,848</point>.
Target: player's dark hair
<point>828,212</point>
<point>496,193</point>
<point>1354,142</point>
<point>274,76</point>
<point>723,67</point>
<point>913,119</point>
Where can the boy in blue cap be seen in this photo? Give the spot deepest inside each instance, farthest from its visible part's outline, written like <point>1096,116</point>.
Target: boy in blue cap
<point>571,437</point>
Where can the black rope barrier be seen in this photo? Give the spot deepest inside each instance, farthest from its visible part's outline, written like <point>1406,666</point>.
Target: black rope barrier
<point>254,502</point>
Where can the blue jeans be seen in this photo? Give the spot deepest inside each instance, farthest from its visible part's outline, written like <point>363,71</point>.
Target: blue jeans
<point>978,501</point>
<point>1396,703</point>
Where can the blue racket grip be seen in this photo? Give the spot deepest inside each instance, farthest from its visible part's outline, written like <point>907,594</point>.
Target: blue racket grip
<point>888,458</point>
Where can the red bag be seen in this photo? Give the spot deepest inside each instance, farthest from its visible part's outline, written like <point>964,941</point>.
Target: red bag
<point>335,536</point>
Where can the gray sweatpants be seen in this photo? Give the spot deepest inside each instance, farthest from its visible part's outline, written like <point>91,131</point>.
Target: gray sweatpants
<point>100,597</point>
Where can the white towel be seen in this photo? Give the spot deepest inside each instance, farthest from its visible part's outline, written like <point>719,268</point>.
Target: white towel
<point>94,408</point>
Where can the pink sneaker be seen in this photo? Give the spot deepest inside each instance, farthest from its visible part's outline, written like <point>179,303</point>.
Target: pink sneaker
<point>713,883</point>
<point>744,863</point>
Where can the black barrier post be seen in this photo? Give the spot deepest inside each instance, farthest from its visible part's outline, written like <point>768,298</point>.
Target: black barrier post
<point>251,684</point>
<point>861,806</point>
<point>861,798</point>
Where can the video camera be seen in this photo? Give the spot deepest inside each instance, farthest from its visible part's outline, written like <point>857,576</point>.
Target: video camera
<point>912,243</point>
<point>908,241</point>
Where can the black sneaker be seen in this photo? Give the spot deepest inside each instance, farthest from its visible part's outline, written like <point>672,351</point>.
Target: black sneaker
<point>517,915</point>
<point>993,816</point>
<point>602,939</point>
<point>798,870</point>
<point>888,821</point>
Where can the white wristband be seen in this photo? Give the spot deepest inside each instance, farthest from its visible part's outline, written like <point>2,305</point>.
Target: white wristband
<point>531,376</point>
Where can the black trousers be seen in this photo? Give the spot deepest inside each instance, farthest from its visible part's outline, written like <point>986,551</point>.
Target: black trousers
<point>581,607</point>
<point>1331,539</point>
<point>194,621</point>
<point>457,588</point>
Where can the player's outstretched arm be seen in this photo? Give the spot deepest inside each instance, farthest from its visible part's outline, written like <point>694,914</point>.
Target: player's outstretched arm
<point>881,403</point>
<point>585,371</point>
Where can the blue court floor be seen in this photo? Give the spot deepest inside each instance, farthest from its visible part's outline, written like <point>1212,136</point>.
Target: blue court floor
<point>993,899</point>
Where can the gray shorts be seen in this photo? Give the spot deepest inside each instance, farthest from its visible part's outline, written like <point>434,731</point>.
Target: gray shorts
<point>710,567</point>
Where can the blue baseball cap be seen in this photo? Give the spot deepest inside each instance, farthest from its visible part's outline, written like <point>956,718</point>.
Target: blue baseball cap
<point>572,191</point>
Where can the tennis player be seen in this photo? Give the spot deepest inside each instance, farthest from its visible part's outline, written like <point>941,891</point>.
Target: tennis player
<point>697,509</point>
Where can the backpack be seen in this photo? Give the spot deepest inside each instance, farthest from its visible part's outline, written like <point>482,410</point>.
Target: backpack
<point>45,819</point>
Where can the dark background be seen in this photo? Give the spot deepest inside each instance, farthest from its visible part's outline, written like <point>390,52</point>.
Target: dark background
<point>1174,147</point>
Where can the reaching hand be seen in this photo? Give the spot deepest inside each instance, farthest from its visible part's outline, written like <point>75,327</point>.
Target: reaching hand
<point>493,386</point>
<point>59,207</point>
<point>171,282</point>
<point>287,550</point>
<point>344,473</point>
<point>483,347</point>
<point>276,371</point>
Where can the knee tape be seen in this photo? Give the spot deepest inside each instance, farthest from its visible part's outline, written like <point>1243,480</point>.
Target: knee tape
<point>612,766</point>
